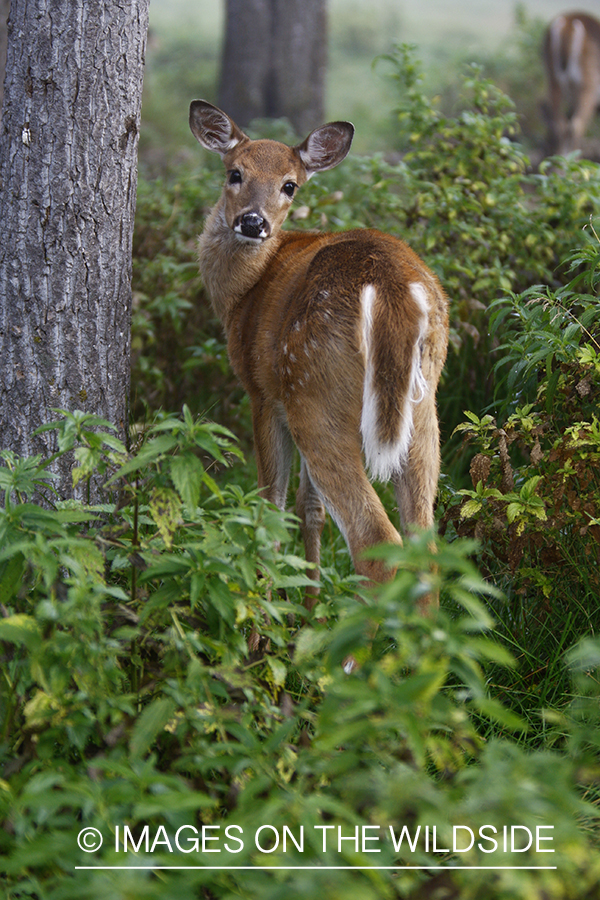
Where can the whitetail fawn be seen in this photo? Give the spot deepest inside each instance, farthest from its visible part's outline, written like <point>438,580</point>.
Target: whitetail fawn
<point>572,57</point>
<point>339,340</point>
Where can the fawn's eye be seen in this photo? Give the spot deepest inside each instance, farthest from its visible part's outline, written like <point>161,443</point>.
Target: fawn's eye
<point>289,188</point>
<point>234,177</point>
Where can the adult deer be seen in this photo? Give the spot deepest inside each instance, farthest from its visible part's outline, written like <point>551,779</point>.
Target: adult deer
<point>572,57</point>
<point>339,340</point>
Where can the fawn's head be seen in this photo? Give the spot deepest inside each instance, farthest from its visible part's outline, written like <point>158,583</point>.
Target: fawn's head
<point>263,176</point>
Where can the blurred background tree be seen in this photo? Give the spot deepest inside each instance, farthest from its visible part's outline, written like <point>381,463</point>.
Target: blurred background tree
<point>274,61</point>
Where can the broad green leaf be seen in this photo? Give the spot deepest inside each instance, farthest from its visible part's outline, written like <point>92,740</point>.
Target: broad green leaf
<point>149,724</point>
<point>20,629</point>
<point>187,473</point>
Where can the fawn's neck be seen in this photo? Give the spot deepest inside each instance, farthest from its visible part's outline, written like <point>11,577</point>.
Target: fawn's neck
<point>230,267</point>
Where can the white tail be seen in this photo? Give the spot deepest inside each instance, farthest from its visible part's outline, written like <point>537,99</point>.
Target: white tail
<point>572,57</point>
<point>339,340</point>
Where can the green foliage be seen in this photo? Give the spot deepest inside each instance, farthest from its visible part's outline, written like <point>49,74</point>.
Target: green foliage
<point>19,477</point>
<point>182,60</point>
<point>517,68</point>
<point>466,186</point>
<point>484,224</point>
<point>159,671</point>
<point>549,328</point>
<point>535,497</point>
<point>178,353</point>
<point>132,703</point>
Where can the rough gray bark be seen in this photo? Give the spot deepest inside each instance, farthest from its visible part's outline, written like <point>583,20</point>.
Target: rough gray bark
<point>274,61</point>
<point>68,170</point>
<point>4,6</point>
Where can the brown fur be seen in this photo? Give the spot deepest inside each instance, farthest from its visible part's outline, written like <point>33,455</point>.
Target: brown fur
<point>292,308</point>
<point>572,59</point>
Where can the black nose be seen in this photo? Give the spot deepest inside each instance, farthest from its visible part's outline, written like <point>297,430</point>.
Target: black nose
<point>253,226</point>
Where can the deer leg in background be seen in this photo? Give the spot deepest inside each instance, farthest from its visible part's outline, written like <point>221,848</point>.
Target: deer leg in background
<point>415,485</point>
<point>311,510</point>
<point>273,449</point>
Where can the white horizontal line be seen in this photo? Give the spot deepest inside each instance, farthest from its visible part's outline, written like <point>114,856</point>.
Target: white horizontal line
<point>316,868</point>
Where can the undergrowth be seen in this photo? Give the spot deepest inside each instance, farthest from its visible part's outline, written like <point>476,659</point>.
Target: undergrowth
<point>162,681</point>
<point>133,703</point>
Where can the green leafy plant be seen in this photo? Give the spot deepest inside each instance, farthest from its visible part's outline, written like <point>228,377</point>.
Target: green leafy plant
<point>535,494</point>
<point>161,679</point>
<point>144,715</point>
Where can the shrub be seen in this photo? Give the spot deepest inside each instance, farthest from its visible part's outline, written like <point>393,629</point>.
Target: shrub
<point>131,701</point>
<point>535,497</point>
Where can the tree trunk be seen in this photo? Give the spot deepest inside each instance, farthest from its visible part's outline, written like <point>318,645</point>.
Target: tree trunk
<point>4,6</point>
<point>274,61</point>
<point>68,170</point>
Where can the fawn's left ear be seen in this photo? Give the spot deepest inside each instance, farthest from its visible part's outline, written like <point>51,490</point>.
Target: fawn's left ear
<point>326,146</point>
<point>213,128</point>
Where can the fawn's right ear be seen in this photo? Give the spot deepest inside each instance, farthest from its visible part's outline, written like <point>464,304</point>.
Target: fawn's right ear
<point>213,128</point>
